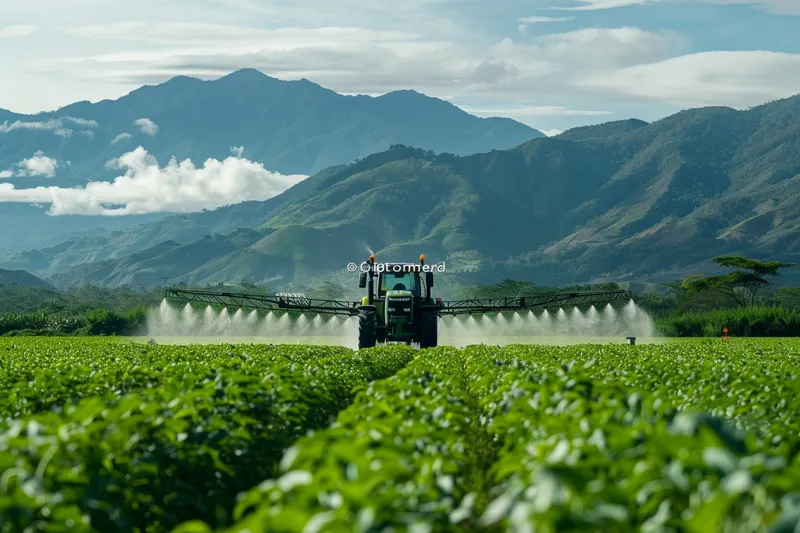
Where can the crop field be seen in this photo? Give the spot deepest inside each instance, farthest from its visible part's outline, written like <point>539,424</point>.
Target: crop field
<point>352,340</point>
<point>105,435</point>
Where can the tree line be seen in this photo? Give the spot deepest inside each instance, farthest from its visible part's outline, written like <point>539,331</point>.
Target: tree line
<point>743,300</point>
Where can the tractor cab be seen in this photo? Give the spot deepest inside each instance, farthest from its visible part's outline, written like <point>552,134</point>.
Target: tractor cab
<point>399,281</point>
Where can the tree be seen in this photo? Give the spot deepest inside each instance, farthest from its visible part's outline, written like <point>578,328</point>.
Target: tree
<point>743,286</point>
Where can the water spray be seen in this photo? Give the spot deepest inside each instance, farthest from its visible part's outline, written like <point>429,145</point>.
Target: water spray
<point>558,326</point>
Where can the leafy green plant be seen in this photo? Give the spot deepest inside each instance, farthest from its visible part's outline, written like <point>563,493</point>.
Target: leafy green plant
<point>143,448</point>
<point>690,436</point>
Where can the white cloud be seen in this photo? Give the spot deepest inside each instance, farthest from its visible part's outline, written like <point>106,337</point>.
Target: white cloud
<point>331,56</point>
<point>572,66</point>
<point>237,150</point>
<point>50,125</point>
<point>13,32</point>
<point>356,60</point>
<point>780,7</point>
<point>552,133</point>
<point>203,34</point>
<point>592,5</point>
<point>57,125</point>
<point>145,187</point>
<point>82,122</point>
<point>524,22</point>
<point>121,137</point>
<point>146,126</point>
<point>600,47</point>
<point>736,79</point>
<point>531,111</point>
<point>534,20</point>
<point>38,165</point>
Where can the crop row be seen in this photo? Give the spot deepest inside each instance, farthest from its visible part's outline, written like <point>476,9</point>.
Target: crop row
<point>399,457</point>
<point>193,429</point>
<point>623,441</point>
<point>37,374</point>
<point>552,439</point>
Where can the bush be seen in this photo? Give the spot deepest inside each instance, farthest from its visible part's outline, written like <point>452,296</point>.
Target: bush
<point>764,321</point>
<point>23,321</point>
<point>93,322</point>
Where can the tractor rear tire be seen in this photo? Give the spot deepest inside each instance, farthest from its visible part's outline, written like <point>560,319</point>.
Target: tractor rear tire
<point>366,326</point>
<point>429,329</point>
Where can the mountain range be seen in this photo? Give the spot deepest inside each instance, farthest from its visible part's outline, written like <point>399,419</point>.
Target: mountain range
<point>292,127</point>
<point>621,201</point>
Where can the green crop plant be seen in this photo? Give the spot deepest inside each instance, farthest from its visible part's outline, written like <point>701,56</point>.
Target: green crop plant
<point>176,444</point>
<point>697,436</point>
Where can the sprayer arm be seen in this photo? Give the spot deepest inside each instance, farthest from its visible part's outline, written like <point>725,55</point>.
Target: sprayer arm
<point>539,301</point>
<point>267,302</point>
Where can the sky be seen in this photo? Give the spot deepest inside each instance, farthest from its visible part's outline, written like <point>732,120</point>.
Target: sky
<point>552,64</point>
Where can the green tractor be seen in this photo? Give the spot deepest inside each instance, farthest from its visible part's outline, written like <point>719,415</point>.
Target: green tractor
<point>399,307</point>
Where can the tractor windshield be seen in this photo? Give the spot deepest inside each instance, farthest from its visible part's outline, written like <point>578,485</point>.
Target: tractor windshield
<point>399,281</point>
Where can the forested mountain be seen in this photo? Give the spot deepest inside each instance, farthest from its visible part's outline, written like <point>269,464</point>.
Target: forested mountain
<point>292,127</point>
<point>619,201</point>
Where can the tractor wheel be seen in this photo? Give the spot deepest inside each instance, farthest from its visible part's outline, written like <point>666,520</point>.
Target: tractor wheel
<point>366,326</point>
<point>429,329</point>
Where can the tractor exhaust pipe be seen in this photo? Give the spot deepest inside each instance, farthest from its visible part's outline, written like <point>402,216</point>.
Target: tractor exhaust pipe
<point>371,285</point>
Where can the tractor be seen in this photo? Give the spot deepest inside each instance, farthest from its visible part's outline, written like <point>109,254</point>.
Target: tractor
<point>399,308</point>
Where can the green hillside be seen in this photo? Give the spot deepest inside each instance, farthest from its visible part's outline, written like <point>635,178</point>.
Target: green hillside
<point>21,277</point>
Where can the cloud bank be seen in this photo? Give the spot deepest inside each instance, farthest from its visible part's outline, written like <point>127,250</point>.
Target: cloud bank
<point>455,50</point>
<point>779,7</point>
<point>63,126</point>
<point>145,187</point>
<point>579,65</point>
<point>576,68</point>
<point>14,32</point>
<point>695,80</point>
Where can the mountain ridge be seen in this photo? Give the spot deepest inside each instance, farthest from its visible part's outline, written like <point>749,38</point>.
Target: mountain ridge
<point>622,201</point>
<point>21,277</point>
<point>291,127</point>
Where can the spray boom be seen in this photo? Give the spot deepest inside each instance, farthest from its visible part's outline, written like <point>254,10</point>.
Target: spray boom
<point>408,314</point>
